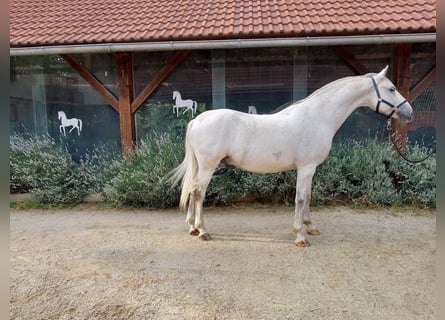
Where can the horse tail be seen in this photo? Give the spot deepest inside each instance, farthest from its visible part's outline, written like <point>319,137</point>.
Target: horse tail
<point>187,171</point>
<point>80,124</point>
<point>195,105</point>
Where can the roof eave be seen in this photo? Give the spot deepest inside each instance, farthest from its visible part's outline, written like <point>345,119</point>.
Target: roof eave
<point>369,39</point>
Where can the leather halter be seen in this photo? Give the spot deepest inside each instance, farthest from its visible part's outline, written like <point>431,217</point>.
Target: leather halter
<point>380,100</point>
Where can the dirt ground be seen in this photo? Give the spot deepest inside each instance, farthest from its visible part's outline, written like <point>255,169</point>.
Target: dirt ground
<point>89,263</point>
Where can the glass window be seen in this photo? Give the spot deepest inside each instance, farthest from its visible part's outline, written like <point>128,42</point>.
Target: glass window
<point>268,79</point>
<point>192,79</point>
<point>44,87</point>
<point>263,78</point>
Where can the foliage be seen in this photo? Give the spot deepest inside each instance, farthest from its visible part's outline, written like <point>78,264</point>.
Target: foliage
<point>370,173</point>
<point>362,173</point>
<point>140,178</point>
<point>99,166</point>
<point>155,118</point>
<point>230,185</point>
<point>40,166</point>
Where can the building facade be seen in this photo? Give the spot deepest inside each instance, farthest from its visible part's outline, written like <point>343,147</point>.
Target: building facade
<point>93,91</point>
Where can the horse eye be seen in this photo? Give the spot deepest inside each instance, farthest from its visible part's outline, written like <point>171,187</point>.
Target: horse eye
<point>392,89</point>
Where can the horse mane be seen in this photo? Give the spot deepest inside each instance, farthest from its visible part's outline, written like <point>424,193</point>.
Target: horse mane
<point>326,87</point>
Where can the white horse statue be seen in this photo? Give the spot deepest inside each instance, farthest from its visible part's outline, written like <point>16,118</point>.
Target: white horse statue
<point>297,138</point>
<point>179,103</point>
<point>252,110</point>
<point>74,122</point>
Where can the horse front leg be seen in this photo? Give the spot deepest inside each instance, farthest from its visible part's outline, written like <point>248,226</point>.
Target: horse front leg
<point>302,199</point>
<point>62,128</point>
<point>310,228</point>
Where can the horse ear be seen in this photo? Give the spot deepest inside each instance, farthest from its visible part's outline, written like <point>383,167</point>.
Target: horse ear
<point>382,73</point>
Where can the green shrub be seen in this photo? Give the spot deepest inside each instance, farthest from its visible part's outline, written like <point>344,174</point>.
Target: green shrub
<point>99,166</point>
<point>364,173</point>
<point>417,182</point>
<point>40,166</point>
<point>158,118</point>
<point>140,178</point>
<point>234,185</point>
<point>370,173</point>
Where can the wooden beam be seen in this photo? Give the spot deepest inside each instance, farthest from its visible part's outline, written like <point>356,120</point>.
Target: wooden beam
<point>402,75</point>
<point>92,80</point>
<point>126,94</point>
<point>422,85</point>
<point>169,67</point>
<point>349,58</point>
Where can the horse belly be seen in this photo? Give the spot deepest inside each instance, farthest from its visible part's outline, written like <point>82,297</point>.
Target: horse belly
<point>263,167</point>
<point>263,161</point>
<point>260,146</point>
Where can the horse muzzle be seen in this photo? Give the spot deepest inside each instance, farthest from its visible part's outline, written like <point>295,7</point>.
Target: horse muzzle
<point>404,113</point>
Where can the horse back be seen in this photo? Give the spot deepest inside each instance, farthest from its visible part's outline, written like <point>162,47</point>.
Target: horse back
<point>257,143</point>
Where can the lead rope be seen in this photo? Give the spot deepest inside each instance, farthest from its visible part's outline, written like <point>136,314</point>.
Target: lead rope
<point>393,140</point>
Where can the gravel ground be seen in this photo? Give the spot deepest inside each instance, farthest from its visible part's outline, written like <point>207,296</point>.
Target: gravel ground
<point>89,263</point>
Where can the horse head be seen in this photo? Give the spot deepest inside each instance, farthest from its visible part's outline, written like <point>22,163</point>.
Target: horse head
<point>176,94</point>
<point>387,100</point>
<point>60,114</point>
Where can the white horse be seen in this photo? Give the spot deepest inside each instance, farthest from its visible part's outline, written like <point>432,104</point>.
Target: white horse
<point>297,138</point>
<point>74,122</point>
<point>179,103</point>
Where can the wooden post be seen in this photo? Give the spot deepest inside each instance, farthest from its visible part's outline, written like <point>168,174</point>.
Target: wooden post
<point>126,95</point>
<point>402,74</point>
<point>127,104</point>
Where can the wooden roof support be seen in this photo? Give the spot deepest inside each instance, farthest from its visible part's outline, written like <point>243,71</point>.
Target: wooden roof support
<point>169,67</point>
<point>92,80</point>
<point>126,105</point>
<point>402,75</point>
<point>349,58</point>
<point>420,87</point>
<point>125,81</point>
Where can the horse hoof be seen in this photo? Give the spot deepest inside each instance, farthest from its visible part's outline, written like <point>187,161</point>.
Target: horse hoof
<point>205,237</point>
<point>194,232</point>
<point>313,232</point>
<point>302,243</point>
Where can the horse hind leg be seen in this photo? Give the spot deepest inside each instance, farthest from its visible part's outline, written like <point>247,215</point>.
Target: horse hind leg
<point>199,219</point>
<point>190,217</point>
<point>204,176</point>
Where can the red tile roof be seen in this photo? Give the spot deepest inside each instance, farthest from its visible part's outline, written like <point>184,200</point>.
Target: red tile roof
<point>56,22</point>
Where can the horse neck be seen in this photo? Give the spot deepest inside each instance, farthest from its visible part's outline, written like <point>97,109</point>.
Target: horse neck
<point>335,102</point>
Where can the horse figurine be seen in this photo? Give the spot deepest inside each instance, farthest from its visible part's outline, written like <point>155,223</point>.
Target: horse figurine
<point>74,122</point>
<point>298,137</point>
<point>179,103</point>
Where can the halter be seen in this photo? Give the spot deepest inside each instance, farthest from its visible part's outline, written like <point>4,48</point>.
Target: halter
<point>380,100</point>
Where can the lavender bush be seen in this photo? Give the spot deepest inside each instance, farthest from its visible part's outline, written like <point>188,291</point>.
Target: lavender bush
<point>363,173</point>
<point>40,166</point>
